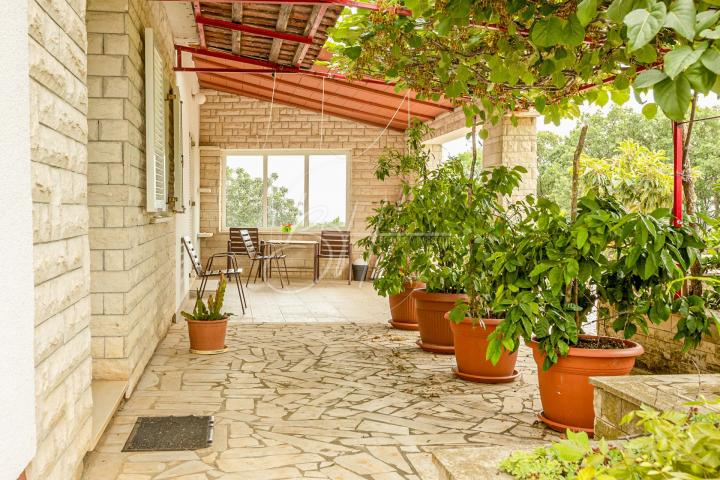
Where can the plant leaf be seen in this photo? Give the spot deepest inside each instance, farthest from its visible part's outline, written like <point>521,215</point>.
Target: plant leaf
<point>711,60</point>
<point>547,32</point>
<point>644,24</point>
<point>680,59</point>
<point>681,18</point>
<point>586,11</point>
<point>673,96</point>
<point>648,78</point>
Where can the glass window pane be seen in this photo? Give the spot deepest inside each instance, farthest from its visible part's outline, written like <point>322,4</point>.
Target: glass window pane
<point>328,191</point>
<point>243,191</point>
<point>286,190</point>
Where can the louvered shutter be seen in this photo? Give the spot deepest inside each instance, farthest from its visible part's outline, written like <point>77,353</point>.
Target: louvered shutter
<point>155,154</point>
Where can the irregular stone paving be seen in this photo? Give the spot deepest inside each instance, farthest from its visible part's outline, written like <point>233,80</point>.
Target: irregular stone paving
<point>342,401</point>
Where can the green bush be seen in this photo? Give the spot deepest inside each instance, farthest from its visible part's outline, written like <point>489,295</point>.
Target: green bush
<point>676,445</point>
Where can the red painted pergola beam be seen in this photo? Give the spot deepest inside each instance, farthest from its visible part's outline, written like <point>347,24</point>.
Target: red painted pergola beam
<point>263,32</point>
<point>677,209</point>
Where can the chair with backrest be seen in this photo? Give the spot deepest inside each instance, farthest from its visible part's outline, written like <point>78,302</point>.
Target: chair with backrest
<point>334,244</point>
<point>208,272</point>
<point>261,259</point>
<point>235,242</point>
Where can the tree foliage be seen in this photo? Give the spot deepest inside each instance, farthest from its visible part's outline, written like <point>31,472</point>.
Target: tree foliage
<point>605,137</point>
<point>499,56</point>
<point>243,200</point>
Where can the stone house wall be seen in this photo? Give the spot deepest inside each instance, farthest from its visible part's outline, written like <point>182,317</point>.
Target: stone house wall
<point>58,135</point>
<point>232,122</point>
<point>132,252</point>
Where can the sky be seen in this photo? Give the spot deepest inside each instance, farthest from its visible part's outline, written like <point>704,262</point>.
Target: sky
<point>457,146</point>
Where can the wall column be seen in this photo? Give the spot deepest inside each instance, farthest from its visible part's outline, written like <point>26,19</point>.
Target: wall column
<point>512,146</point>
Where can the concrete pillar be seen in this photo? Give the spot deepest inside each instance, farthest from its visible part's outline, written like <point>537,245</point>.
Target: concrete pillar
<point>511,146</point>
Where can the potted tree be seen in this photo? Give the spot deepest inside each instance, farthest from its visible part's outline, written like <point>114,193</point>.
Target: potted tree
<point>489,229</point>
<point>618,266</point>
<point>207,324</point>
<point>387,240</point>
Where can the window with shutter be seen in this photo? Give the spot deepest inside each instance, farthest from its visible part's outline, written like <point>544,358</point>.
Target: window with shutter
<point>155,154</point>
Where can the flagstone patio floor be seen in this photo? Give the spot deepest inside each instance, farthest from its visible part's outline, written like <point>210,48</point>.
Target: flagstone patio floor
<point>315,385</point>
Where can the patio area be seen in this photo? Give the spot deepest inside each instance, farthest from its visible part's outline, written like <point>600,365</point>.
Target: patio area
<point>316,385</point>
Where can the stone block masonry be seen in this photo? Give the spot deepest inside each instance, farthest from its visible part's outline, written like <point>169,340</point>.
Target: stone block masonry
<point>131,258</point>
<point>58,136</point>
<point>231,122</point>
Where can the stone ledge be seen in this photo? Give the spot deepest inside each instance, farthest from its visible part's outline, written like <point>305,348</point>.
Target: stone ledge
<point>474,463</point>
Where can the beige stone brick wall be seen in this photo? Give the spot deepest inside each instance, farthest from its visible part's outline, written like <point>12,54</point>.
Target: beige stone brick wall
<point>132,257</point>
<point>231,122</point>
<point>58,106</point>
<point>663,354</point>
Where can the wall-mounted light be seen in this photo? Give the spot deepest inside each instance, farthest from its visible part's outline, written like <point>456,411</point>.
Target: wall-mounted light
<point>200,98</point>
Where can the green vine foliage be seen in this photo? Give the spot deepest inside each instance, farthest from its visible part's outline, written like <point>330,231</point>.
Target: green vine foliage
<point>630,264</point>
<point>213,309</point>
<point>676,445</point>
<point>498,56</point>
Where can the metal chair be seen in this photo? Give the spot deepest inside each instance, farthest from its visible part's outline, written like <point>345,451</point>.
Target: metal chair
<point>205,273</point>
<point>235,243</point>
<point>334,244</point>
<point>256,257</point>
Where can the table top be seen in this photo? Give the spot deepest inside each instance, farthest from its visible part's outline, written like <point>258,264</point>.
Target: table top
<point>290,242</point>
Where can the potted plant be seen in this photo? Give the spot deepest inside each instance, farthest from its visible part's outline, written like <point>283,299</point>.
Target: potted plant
<point>488,229</point>
<point>286,228</point>
<point>387,240</point>
<point>207,324</point>
<point>621,267</point>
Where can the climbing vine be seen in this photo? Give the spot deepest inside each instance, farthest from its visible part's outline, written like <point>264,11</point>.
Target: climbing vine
<point>498,56</point>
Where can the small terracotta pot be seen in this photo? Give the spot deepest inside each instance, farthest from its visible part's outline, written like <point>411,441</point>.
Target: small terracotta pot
<point>207,335</point>
<point>430,310</point>
<point>565,389</point>
<point>402,307</point>
<point>471,343</point>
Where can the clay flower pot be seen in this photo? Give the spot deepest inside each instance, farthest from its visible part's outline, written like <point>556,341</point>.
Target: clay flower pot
<point>430,310</point>
<point>207,336</point>
<point>565,389</point>
<point>471,343</point>
<point>402,307</point>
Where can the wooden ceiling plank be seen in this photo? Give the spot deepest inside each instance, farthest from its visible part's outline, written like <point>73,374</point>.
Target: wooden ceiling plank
<point>280,26</point>
<point>316,16</point>
<point>237,14</point>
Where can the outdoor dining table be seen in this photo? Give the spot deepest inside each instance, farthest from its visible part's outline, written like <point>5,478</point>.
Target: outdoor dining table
<point>269,245</point>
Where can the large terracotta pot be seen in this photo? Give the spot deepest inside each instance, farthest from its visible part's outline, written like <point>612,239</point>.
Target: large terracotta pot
<point>471,343</point>
<point>207,336</point>
<point>430,309</point>
<point>565,389</point>
<point>402,307</point>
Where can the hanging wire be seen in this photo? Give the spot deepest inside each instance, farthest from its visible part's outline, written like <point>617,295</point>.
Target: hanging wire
<point>322,114</point>
<point>386,126</point>
<point>272,102</point>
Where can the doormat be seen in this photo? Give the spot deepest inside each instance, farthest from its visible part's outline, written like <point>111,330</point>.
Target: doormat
<point>151,434</point>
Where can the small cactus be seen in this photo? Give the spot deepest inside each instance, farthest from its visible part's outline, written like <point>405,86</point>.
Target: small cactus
<point>214,305</point>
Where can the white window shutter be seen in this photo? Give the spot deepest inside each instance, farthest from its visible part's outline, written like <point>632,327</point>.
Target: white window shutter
<point>178,157</point>
<point>155,155</point>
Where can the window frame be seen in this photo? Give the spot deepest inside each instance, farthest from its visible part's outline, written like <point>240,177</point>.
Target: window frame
<point>306,153</point>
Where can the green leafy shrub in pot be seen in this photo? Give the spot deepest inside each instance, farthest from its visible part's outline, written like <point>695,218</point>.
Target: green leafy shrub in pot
<point>629,264</point>
<point>387,239</point>
<point>676,445</point>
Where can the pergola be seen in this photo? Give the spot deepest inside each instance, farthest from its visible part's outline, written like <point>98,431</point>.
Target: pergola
<point>244,45</point>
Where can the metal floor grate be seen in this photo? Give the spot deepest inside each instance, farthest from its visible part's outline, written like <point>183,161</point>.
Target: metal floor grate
<point>170,433</point>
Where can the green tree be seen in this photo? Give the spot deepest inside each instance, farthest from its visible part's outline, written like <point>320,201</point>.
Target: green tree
<point>243,200</point>
<point>605,135</point>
